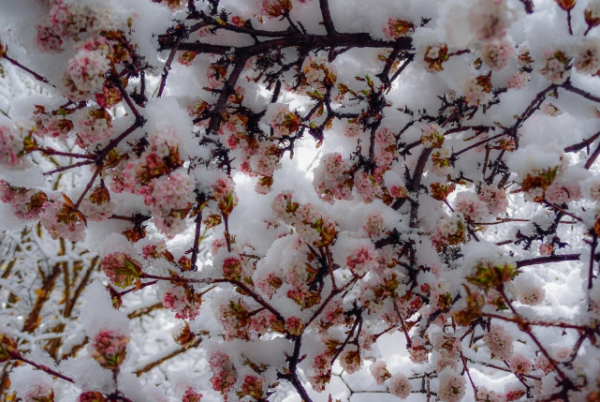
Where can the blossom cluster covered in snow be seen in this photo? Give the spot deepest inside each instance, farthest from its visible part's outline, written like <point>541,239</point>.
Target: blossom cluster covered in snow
<point>323,199</point>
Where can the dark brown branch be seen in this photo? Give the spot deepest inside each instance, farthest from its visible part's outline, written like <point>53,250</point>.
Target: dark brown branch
<point>327,21</point>
<point>45,369</point>
<point>196,246</point>
<point>50,151</point>
<point>548,259</point>
<point>63,168</point>
<point>308,42</point>
<point>22,67</point>
<point>593,157</point>
<point>591,267</point>
<point>569,87</point>
<point>227,90</point>
<point>87,188</point>
<point>165,74</point>
<point>582,144</point>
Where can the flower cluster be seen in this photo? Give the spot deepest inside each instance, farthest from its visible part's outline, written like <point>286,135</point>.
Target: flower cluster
<point>333,180</point>
<point>400,386</point>
<point>319,73</point>
<point>497,54</point>
<point>183,301</point>
<point>121,269</point>
<point>313,227</point>
<point>85,71</point>
<point>224,373</point>
<point>452,386</point>
<point>62,219</point>
<point>191,395</point>
<point>26,203</point>
<point>11,147</point>
<point>499,341</point>
<point>432,136</point>
<point>282,120</point>
<point>109,349</point>
<point>92,127</point>
<point>170,198</point>
<point>489,19</point>
<point>478,90</point>
<point>555,66</point>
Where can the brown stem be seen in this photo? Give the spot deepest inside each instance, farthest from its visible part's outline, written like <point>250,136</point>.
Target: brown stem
<point>63,168</point>
<point>591,268</point>
<point>593,157</point>
<point>50,151</point>
<point>87,188</point>
<point>327,21</point>
<point>226,91</point>
<point>548,259</point>
<point>165,74</point>
<point>569,87</point>
<point>583,144</point>
<point>22,67</point>
<point>45,369</point>
<point>196,247</point>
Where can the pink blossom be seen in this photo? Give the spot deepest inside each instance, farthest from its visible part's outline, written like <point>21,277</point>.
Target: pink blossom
<point>379,372</point>
<point>519,364</point>
<point>546,249</point>
<point>518,80</point>
<point>93,126</point>
<point>494,198</point>
<point>62,219</point>
<point>319,73</point>
<point>452,386</point>
<point>374,225</point>
<point>368,186</point>
<point>224,373</point>
<point>489,19</point>
<point>497,55</point>
<point>224,195</point>
<point>418,351</point>
<point>283,121</point>
<point>183,301</point>
<point>555,66</point>
<point>350,359</point>
<point>294,326</point>
<point>485,395</point>
<point>11,147</point>
<point>91,396</point>
<point>362,259</point>
<point>252,386</point>
<point>587,60</point>
<point>170,198</point>
<point>499,342</point>
<point>385,147</point>
<point>478,91</point>
<point>191,395</point>
<point>110,349</point>
<point>471,207</point>
<point>332,178</point>
<point>352,130</point>
<point>400,386</point>
<point>27,204</point>
<point>432,136</point>
<point>396,28</point>
<point>563,191</point>
<point>121,269</point>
